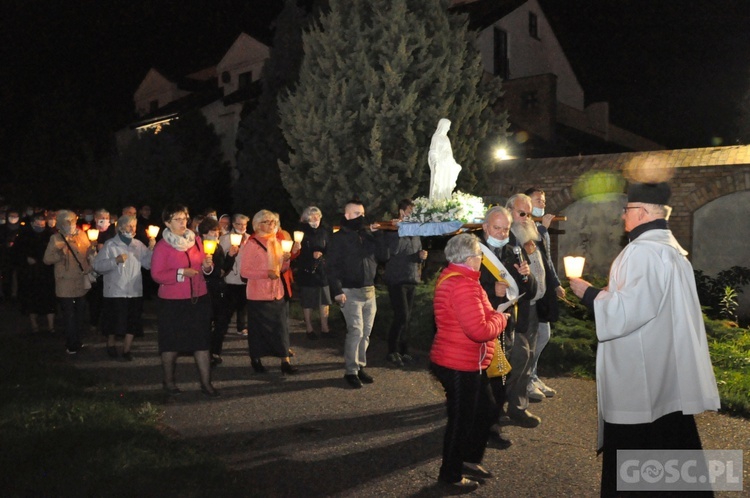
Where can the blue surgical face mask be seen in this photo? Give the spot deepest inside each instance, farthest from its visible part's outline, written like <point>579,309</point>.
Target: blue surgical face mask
<point>538,212</point>
<point>497,243</point>
<point>127,235</point>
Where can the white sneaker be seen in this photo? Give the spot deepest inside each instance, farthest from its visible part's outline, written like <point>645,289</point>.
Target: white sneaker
<point>544,388</point>
<point>535,393</point>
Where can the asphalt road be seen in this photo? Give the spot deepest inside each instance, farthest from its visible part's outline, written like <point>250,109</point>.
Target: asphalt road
<point>309,435</point>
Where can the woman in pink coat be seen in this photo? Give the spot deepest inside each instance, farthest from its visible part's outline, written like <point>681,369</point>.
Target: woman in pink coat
<point>463,347</point>
<point>184,315</point>
<point>263,263</point>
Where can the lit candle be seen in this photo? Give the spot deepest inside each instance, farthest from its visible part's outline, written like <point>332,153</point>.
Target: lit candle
<point>298,236</point>
<point>209,247</point>
<point>153,231</point>
<point>85,227</point>
<point>235,239</point>
<point>93,234</point>
<point>286,245</point>
<point>574,266</point>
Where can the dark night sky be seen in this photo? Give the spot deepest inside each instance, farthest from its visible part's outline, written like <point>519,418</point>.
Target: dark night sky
<point>673,71</point>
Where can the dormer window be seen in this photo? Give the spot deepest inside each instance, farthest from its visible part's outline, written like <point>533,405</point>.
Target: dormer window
<point>245,79</point>
<point>533,25</point>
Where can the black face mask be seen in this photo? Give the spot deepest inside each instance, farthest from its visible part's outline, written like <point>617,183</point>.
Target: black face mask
<point>354,224</point>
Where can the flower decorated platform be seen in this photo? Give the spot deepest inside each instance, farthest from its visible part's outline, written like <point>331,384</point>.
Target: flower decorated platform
<point>443,216</point>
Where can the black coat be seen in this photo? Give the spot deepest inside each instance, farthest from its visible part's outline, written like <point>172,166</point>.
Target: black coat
<point>311,272</point>
<point>519,322</point>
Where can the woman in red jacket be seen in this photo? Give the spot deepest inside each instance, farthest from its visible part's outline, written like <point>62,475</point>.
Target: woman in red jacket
<point>467,326</point>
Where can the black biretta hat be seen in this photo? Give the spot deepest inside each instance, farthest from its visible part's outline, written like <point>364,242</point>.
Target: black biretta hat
<point>649,193</point>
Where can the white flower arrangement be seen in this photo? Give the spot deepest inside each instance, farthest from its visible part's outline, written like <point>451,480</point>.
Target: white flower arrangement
<point>462,207</point>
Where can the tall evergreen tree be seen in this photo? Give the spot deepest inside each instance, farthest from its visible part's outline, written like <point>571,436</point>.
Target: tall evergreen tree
<point>376,77</point>
<point>259,140</point>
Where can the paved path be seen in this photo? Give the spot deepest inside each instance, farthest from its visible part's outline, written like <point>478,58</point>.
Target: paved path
<point>309,435</point>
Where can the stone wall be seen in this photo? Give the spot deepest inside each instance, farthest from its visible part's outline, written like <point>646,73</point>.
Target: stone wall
<point>594,226</point>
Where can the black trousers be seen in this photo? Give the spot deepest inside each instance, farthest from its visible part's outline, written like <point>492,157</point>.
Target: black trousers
<point>237,301</point>
<point>468,400</point>
<point>74,318</point>
<point>402,299</point>
<point>673,431</point>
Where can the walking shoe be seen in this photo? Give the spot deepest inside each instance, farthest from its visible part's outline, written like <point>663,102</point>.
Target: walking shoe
<point>353,381</point>
<point>463,483</point>
<point>499,437</point>
<point>288,369</point>
<point>312,335</point>
<point>210,391</point>
<point>257,365</point>
<point>365,377</point>
<point>477,470</point>
<point>525,419</point>
<point>395,360</point>
<point>171,390</point>
<point>112,351</point>
<point>544,388</point>
<point>407,358</point>
<point>127,356</point>
<point>71,350</point>
<point>534,393</point>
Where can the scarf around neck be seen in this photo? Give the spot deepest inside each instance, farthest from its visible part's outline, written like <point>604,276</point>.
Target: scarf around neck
<point>181,243</point>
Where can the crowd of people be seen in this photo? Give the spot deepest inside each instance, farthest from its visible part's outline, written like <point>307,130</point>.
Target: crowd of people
<point>494,304</point>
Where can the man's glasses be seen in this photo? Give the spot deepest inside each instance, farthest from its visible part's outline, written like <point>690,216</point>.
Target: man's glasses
<point>625,209</point>
<point>523,214</point>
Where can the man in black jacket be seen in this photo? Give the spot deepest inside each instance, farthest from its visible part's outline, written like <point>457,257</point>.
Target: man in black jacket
<point>353,257</point>
<point>512,280</point>
<point>547,306</point>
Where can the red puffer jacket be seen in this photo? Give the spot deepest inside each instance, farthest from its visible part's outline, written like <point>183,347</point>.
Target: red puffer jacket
<point>466,322</point>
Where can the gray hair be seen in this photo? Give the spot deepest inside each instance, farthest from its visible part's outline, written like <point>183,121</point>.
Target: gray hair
<point>239,217</point>
<point>510,204</point>
<point>64,215</point>
<point>123,220</point>
<point>497,209</point>
<point>263,213</point>
<point>462,247</point>
<point>658,210</point>
<point>99,212</point>
<point>309,211</point>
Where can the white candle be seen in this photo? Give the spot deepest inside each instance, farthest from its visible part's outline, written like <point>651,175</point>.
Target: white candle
<point>235,239</point>
<point>153,231</point>
<point>574,266</point>
<point>298,236</point>
<point>93,234</point>
<point>286,245</point>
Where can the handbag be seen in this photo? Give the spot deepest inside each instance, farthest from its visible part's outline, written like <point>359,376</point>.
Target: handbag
<point>88,278</point>
<point>499,366</point>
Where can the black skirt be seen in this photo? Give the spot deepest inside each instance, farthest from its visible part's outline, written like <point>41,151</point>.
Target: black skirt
<point>122,315</point>
<point>184,325</point>
<point>268,328</point>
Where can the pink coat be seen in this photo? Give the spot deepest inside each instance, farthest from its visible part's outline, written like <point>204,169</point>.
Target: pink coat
<point>164,265</point>
<point>255,269</point>
<point>466,322</point>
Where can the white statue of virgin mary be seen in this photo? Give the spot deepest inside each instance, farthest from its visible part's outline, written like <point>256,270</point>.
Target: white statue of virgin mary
<point>444,169</point>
